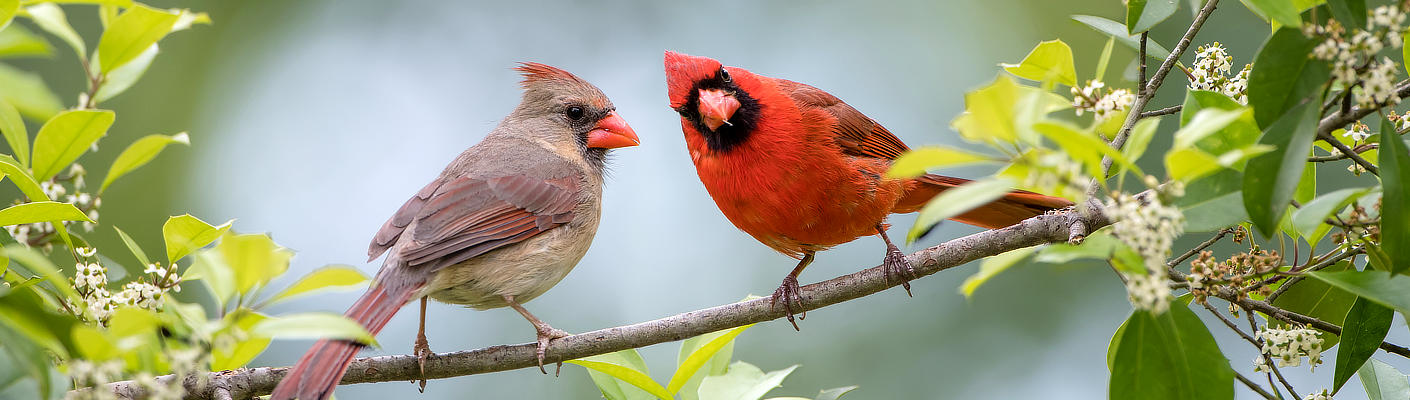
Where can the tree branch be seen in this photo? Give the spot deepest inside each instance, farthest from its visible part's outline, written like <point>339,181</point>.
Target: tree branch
<point>1343,117</point>
<point>1048,228</point>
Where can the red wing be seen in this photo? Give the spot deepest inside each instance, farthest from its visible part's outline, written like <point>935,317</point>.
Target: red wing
<point>858,134</point>
<point>394,226</point>
<point>467,217</point>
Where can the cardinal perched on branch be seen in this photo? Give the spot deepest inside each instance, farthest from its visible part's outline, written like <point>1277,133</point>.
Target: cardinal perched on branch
<point>503,223</point>
<point>801,171</point>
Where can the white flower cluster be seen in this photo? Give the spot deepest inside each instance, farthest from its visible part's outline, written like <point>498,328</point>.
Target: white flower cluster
<point>1288,346</point>
<point>1211,73</point>
<point>1353,55</point>
<point>1358,132</point>
<point>1319,395</point>
<point>1090,98</point>
<point>139,294</point>
<point>1149,228</point>
<point>1056,173</point>
<point>86,373</point>
<point>98,304</point>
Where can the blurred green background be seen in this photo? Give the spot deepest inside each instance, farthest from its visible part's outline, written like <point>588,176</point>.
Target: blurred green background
<point>314,120</point>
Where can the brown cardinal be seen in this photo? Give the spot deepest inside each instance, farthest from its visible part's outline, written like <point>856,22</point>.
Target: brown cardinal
<point>801,171</point>
<point>504,222</point>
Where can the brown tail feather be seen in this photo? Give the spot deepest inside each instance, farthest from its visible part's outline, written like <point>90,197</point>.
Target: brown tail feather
<point>319,371</point>
<point>1011,209</point>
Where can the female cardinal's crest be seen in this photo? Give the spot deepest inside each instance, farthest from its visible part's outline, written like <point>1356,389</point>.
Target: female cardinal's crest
<point>534,72</point>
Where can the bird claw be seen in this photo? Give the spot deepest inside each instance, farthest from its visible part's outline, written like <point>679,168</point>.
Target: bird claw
<point>895,266</point>
<point>422,350</point>
<point>546,334</point>
<point>791,294</point>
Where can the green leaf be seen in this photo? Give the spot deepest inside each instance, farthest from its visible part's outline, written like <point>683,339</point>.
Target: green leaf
<point>1215,214</point>
<point>1367,324</point>
<point>1197,100</point>
<point>1105,59</point>
<point>94,344</point>
<point>41,211</point>
<point>915,162</point>
<point>1378,286</point>
<point>1270,179</point>
<point>139,153</point>
<point>1307,219</point>
<point>332,277</point>
<point>835,393</point>
<point>122,78</point>
<point>22,179</point>
<point>185,233</point>
<point>8,9</point>
<point>313,325</point>
<point>743,381</point>
<point>1140,138</point>
<point>16,135</point>
<point>1205,123</point>
<point>1050,61</point>
<point>132,246</point>
<point>51,19</point>
<point>244,351</point>
<point>1083,145</point>
<point>131,34</point>
<point>1283,12</point>
<point>1168,356</point>
<point>1142,15</point>
<point>1395,198</point>
<point>28,93</point>
<point>1351,13</point>
<point>696,353</point>
<point>254,258</point>
<point>41,266</point>
<point>958,200</point>
<point>989,113</point>
<point>210,269</point>
<point>609,371</point>
<point>1118,31</point>
<point>992,266</point>
<point>118,3</point>
<point>1099,246</point>
<point>1285,77</point>
<point>1383,382</point>
<point>1319,300</point>
<point>16,41</point>
<point>66,137</point>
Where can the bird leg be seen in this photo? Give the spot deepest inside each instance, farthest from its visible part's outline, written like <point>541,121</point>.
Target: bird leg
<point>790,293</point>
<point>422,349</point>
<point>545,332</point>
<point>894,265</point>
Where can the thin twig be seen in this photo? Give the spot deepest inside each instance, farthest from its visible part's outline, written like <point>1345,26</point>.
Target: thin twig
<point>1163,111</point>
<point>1268,361</point>
<point>1254,386</point>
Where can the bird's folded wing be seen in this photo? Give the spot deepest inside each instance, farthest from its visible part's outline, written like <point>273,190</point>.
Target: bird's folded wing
<point>467,217</point>
<point>857,134</point>
<point>392,229</point>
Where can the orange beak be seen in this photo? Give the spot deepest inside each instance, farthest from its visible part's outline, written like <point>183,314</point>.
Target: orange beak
<point>612,132</point>
<point>716,107</point>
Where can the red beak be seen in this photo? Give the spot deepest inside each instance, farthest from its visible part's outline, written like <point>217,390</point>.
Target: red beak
<point>716,107</point>
<point>612,132</point>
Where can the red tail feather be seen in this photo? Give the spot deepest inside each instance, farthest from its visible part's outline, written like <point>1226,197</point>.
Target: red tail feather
<point>1011,209</point>
<point>319,371</point>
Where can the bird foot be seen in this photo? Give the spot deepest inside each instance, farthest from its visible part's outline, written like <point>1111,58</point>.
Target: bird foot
<point>790,294</point>
<point>896,267</point>
<point>546,334</point>
<point>422,350</point>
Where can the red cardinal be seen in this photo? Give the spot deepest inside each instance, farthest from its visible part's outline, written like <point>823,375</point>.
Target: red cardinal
<point>801,171</point>
<point>503,223</point>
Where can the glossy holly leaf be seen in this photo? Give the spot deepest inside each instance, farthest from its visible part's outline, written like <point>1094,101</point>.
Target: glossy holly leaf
<point>133,247</point>
<point>1049,61</point>
<point>185,233</point>
<point>64,138</point>
<point>1379,286</point>
<point>622,376</point>
<point>41,211</point>
<point>1395,198</point>
<point>28,93</point>
<point>8,9</point>
<point>1285,77</point>
<point>51,19</point>
<point>1097,246</point>
<point>332,277</point>
<point>1383,382</point>
<point>313,325</point>
<point>1118,30</point>
<point>1314,213</point>
<point>1270,179</point>
<point>16,135</point>
<point>16,41</point>
<point>122,78</point>
<point>1142,15</point>
<point>1351,13</point>
<point>139,153</point>
<point>1367,324</point>
<point>991,267</point>
<point>917,161</point>
<point>1084,146</point>
<point>743,381</point>
<point>1281,12</point>
<point>131,33</point>
<point>702,356</point>
<point>244,351</point>
<point>958,200</point>
<point>1168,356</point>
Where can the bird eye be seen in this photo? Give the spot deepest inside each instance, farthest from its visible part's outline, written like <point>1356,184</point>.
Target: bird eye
<point>575,113</point>
<point>724,75</point>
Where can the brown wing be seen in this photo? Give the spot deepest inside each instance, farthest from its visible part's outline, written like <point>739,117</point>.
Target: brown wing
<point>858,134</point>
<point>467,217</point>
<point>392,229</point>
